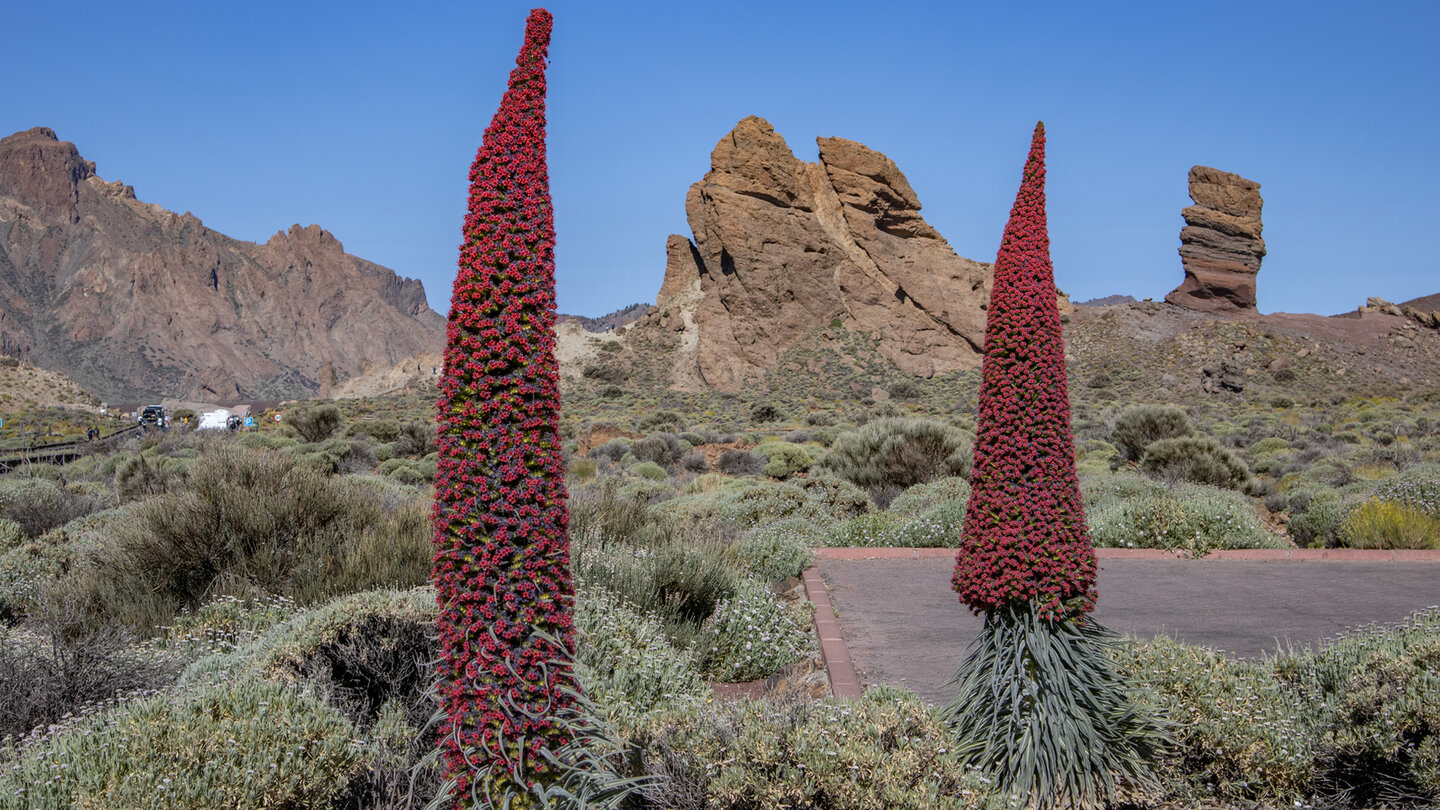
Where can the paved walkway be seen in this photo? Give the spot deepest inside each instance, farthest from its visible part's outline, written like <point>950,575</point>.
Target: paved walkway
<point>902,624</point>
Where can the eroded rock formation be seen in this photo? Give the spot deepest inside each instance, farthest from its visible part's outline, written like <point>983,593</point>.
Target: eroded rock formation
<point>1220,245</point>
<point>782,246</point>
<point>135,302</point>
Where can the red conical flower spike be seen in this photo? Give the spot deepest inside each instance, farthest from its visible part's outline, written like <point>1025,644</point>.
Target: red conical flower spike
<point>502,557</point>
<point>1024,536</point>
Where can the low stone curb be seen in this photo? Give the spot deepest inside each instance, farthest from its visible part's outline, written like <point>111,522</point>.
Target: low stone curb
<point>1252,554</point>
<point>844,683</point>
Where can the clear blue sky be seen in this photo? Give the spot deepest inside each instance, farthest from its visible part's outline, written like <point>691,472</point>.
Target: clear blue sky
<point>363,118</point>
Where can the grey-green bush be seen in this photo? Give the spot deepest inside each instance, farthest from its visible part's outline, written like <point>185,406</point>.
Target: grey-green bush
<point>313,423</point>
<point>1197,459</point>
<point>899,453</point>
<point>1138,427</point>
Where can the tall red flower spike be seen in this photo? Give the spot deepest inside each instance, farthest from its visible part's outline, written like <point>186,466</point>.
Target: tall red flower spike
<point>502,556</point>
<point>1024,536</point>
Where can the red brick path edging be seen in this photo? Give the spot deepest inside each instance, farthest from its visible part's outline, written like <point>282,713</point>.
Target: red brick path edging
<point>1291,554</point>
<point>844,683</point>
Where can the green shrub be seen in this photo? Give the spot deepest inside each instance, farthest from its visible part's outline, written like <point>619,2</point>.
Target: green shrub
<point>750,635</point>
<point>362,650</point>
<point>258,518</point>
<point>1197,459</point>
<point>240,743</point>
<point>778,550</point>
<point>1389,524</point>
<point>762,412</point>
<point>650,470</point>
<point>940,526</point>
<point>878,529</point>
<point>741,462</point>
<point>382,430</point>
<point>1374,701</point>
<point>629,666</point>
<point>1190,517</point>
<point>784,459</point>
<point>678,579</point>
<point>1319,526</point>
<point>893,454</point>
<point>923,497</point>
<point>755,502</point>
<point>1239,734</point>
<point>1139,427</point>
<point>1417,487</point>
<point>664,449</point>
<point>268,441</point>
<point>883,751</point>
<point>829,498</point>
<point>137,478</point>
<point>313,423</point>
<point>38,504</point>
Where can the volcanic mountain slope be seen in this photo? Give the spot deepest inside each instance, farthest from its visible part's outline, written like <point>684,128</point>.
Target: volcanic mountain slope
<point>135,302</point>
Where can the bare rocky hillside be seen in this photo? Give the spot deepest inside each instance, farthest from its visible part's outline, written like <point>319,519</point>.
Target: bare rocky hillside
<point>133,301</point>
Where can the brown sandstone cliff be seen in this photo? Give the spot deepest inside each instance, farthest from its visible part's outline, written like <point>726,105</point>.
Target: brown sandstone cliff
<point>135,302</point>
<point>782,246</point>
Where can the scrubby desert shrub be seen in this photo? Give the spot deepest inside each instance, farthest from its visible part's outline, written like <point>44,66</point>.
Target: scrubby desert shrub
<point>876,529</point>
<point>678,579</point>
<point>362,650</point>
<point>1239,735</point>
<point>1190,517</point>
<point>664,449</point>
<point>762,412</point>
<point>51,669</point>
<point>649,470</point>
<point>1319,525</point>
<point>382,430</point>
<point>923,497</point>
<point>784,459</point>
<point>694,462</point>
<point>257,517</point>
<point>240,743</point>
<point>38,505</point>
<point>667,420</point>
<point>605,372</point>
<point>886,750</point>
<point>1197,459</point>
<point>829,498</point>
<point>415,439</point>
<point>1374,702</point>
<point>137,477</point>
<point>1139,427</point>
<point>750,635</point>
<point>611,451</point>
<point>313,423</point>
<point>629,666</point>
<point>1417,487</point>
<point>741,462</point>
<point>778,550</point>
<point>898,453</point>
<point>1387,524</point>
<point>754,502</point>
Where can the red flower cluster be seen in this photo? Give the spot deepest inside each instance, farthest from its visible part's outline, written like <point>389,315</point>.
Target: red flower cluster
<point>502,556</point>
<point>1025,535</point>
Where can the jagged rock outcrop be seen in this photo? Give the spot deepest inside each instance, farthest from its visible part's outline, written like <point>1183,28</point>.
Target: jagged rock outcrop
<point>1220,245</point>
<point>136,302</point>
<point>782,246</point>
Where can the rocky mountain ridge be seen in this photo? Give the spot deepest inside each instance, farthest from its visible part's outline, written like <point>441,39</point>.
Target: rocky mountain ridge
<point>134,302</point>
<point>781,247</point>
